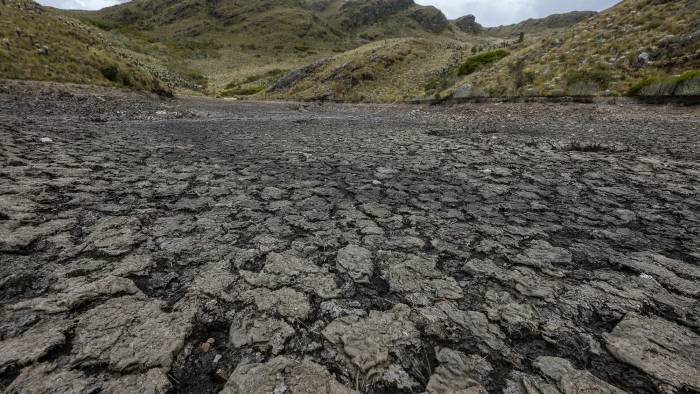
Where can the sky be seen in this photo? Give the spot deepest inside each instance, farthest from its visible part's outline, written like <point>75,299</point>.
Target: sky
<point>488,12</point>
<point>505,12</point>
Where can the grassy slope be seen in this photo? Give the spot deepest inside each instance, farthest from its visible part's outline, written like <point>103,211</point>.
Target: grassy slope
<point>597,55</point>
<point>386,71</point>
<point>235,40</point>
<point>53,47</point>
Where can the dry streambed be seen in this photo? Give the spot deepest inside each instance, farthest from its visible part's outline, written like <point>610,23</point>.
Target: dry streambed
<point>207,246</point>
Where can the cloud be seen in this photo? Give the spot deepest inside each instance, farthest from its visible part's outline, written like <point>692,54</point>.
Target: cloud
<point>504,12</point>
<point>80,4</point>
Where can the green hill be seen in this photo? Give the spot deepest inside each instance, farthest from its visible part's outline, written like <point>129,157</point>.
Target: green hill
<point>636,41</point>
<point>39,44</point>
<point>229,41</point>
<point>356,50</point>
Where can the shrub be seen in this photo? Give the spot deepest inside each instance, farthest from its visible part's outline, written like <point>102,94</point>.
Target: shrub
<point>600,76</point>
<point>666,86</point>
<point>243,91</point>
<point>110,71</point>
<point>475,63</point>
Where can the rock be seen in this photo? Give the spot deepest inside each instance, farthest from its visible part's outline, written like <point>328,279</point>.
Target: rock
<point>420,283</point>
<point>357,262</point>
<point>662,349</point>
<point>431,18</point>
<point>661,268</point>
<point>641,60</point>
<point>513,316</point>
<point>263,333</point>
<point>114,236</point>
<point>468,24</point>
<point>45,139</point>
<point>49,378</point>
<point>154,381</point>
<point>294,76</point>
<point>445,320</point>
<point>522,383</point>
<point>286,302</point>
<point>78,292</point>
<point>18,238</point>
<point>128,333</point>
<point>458,372</point>
<point>571,380</point>
<point>399,378</point>
<point>32,345</point>
<point>283,375</point>
<point>368,341</point>
<point>282,270</point>
<point>544,256</point>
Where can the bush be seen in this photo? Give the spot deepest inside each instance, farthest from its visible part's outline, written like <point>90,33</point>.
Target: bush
<point>599,76</point>
<point>683,84</point>
<point>243,91</point>
<point>110,71</point>
<point>475,63</point>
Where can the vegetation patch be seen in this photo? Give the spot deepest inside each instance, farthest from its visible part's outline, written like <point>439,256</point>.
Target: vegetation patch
<point>475,63</point>
<point>243,91</point>
<point>687,83</point>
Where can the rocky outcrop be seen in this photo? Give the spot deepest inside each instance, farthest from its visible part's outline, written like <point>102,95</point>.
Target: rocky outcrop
<point>468,24</point>
<point>430,18</point>
<point>357,13</point>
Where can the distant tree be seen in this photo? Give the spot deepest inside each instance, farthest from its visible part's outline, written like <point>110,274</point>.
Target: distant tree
<point>474,50</point>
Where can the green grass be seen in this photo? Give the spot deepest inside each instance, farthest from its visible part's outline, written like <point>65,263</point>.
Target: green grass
<point>663,84</point>
<point>475,63</point>
<point>243,91</point>
<point>598,75</point>
<point>51,48</point>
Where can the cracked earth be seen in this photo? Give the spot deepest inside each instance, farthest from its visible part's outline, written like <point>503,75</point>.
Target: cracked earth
<point>194,245</point>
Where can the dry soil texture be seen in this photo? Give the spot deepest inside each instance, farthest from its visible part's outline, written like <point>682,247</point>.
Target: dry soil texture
<point>195,245</point>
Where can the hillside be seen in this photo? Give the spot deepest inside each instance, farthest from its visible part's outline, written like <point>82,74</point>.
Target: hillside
<point>540,25</point>
<point>637,41</point>
<point>38,44</point>
<point>384,71</point>
<point>234,40</point>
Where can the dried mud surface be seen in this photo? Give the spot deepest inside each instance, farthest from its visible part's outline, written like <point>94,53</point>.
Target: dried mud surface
<point>195,245</point>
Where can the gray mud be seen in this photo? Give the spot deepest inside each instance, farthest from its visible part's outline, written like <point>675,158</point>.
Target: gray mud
<point>205,246</point>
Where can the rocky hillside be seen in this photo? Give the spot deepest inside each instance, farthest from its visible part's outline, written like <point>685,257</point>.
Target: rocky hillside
<point>384,71</point>
<point>541,25</point>
<point>635,42</point>
<point>39,44</point>
<point>230,41</point>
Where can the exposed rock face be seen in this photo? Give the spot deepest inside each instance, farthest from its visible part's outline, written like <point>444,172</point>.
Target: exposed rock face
<point>365,12</point>
<point>281,375</point>
<point>667,351</point>
<point>468,24</point>
<point>294,76</point>
<point>431,18</point>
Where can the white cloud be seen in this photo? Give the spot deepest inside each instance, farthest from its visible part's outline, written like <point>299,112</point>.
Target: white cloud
<point>80,4</point>
<point>505,12</point>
